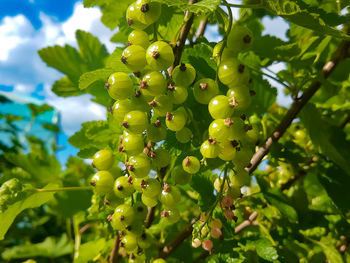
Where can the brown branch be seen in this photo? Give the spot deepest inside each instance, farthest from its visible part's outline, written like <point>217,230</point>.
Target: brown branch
<point>114,257</point>
<point>180,44</point>
<point>298,104</point>
<point>168,249</point>
<point>201,28</point>
<point>150,217</point>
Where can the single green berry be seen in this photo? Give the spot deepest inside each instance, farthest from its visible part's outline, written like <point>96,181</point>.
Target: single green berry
<point>233,72</point>
<point>191,164</point>
<point>102,181</point>
<point>161,105</point>
<point>221,107</point>
<point>129,242</point>
<point>184,135</point>
<point>153,84</point>
<point>156,131</point>
<point>103,159</point>
<point>122,217</point>
<point>210,149</point>
<point>161,158</point>
<point>175,121</point>
<point>159,55</point>
<point>119,86</point>
<point>240,96</point>
<point>240,38</point>
<point>170,196</point>
<point>180,176</point>
<point>135,122</point>
<point>204,90</point>
<point>148,11</point>
<point>178,94</point>
<point>227,150</point>
<point>171,215</point>
<point>138,37</point>
<point>120,108</point>
<point>132,19</point>
<point>139,166</point>
<point>123,186</point>
<point>184,74</point>
<point>134,57</point>
<point>151,188</point>
<point>149,201</point>
<point>132,144</point>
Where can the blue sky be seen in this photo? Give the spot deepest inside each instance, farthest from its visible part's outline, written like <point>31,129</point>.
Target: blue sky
<point>29,25</point>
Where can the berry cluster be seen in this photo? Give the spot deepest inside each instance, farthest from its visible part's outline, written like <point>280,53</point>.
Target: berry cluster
<point>149,103</point>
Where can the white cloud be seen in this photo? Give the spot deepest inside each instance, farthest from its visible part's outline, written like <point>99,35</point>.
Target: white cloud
<point>22,68</point>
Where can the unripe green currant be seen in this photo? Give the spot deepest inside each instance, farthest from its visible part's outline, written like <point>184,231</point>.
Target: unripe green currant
<point>241,97</point>
<point>135,122</point>
<point>156,131</point>
<point>233,72</point>
<point>239,178</point>
<point>153,84</point>
<point>159,55</point>
<point>103,159</point>
<point>170,196</point>
<point>175,121</point>
<point>134,57</point>
<point>122,217</point>
<point>227,150</point>
<point>159,260</point>
<point>144,241</point>
<point>178,94</point>
<point>129,242</point>
<point>132,18</point>
<point>120,108</point>
<point>103,182</point>
<point>161,158</point>
<point>139,166</point>
<point>148,11</point>
<point>221,107</point>
<point>123,186</point>
<point>161,105</point>
<point>184,74</point>
<point>184,135</point>
<point>204,90</point>
<point>180,176</point>
<point>132,144</point>
<point>210,149</point>
<point>119,86</point>
<point>151,188</point>
<point>138,37</point>
<point>149,201</point>
<point>222,129</point>
<point>242,157</point>
<point>191,164</point>
<point>240,38</point>
<point>171,215</point>
<point>227,53</point>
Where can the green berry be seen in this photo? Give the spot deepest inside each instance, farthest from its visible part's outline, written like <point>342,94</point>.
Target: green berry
<point>221,107</point>
<point>119,86</point>
<point>103,160</point>
<point>239,178</point>
<point>210,149</point>
<point>204,90</point>
<point>227,53</point>
<point>156,131</point>
<point>240,96</point>
<point>151,188</point>
<point>161,105</point>
<point>148,11</point>
<point>112,200</point>
<point>149,201</point>
<point>139,166</point>
<point>140,211</point>
<point>180,176</point>
<point>184,135</point>
<point>240,38</point>
<point>123,186</point>
<point>135,122</point>
<point>134,57</point>
<point>222,129</point>
<point>120,108</point>
<point>132,18</point>
<point>191,164</point>
<point>138,37</point>
<point>153,83</point>
<point>171,215</point>
<point>160,56</point>
<point>175,121</point>
<point>161,158</point>
<point>159,260</point>
<point>170,196</point>
<point>227,150</point>
<point>233,72</point>
<point>139,182</point>
<point>144,241</point>
<point>129,242</point>
<point>242,157</point>
<point>132,143</point>
<point>184,74</point>
<point>178,94</point>
<point>103,182</point>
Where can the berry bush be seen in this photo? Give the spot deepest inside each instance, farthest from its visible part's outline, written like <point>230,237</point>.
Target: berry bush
<point>175,173</point>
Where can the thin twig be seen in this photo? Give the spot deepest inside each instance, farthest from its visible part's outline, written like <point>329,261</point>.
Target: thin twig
<point>114,257</point>
<point>180,44</point>
<point>297,106</point>
<point>201,29</point>
<point>150,217</point>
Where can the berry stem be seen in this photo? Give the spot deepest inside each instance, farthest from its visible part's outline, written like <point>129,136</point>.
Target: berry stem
<point>114,257</point>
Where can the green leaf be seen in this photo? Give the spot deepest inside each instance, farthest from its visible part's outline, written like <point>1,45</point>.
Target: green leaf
<point>320,132</point>
<point>95,134</point>
<point>292,12</point>
<point>265,250</point>
<point>65,59</point>
<point>329,249</point>
<point>91,50</point>
<point>204,186</point>
<point>170,23</point>
<point>123,32</point>
<point>89,250</point>
<point>92,3</point>
<point>29,199</point>
<point>65,88</point>
<point>51,247</point>
<point>203,6</point>
<point>91,77</point>
<point>51,127</point>
<point>112,12</point>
